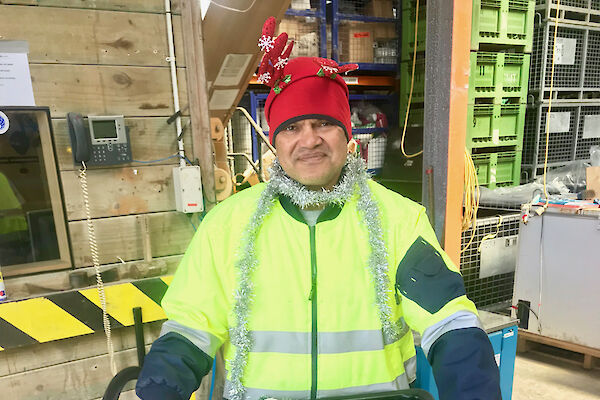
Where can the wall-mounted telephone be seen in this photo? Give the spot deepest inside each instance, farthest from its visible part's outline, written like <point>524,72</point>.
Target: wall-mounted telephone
<point>105,141</point>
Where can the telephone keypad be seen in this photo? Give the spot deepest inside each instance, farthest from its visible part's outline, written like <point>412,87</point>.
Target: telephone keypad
<point>109,154</point>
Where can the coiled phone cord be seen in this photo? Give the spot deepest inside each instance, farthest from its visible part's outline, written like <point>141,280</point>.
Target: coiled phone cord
<point>96,262</point>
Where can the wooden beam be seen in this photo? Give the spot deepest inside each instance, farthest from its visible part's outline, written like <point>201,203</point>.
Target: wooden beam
<point>81,379</point>
<point>228,32</point>
<point>29,358</point>
<point>120,191</point>
<point>457,129</point>
<point>148,6</point>
<point>112,90</point>
<point>93,37</point>
<point>198,97</point>
<point>561,344</point>
<point>170,233</point>
<point>22,287</point>
<point>43,120</point>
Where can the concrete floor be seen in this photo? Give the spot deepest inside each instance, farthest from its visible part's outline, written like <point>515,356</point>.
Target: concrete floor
<point>545,376</point>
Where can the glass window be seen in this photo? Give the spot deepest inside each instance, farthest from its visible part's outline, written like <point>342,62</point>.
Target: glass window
<point>28,211</point>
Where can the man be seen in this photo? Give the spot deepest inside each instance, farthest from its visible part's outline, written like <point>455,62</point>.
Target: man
<point>312,282</point>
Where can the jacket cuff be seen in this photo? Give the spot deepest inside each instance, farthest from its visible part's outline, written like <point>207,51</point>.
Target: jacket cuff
<point>464,367</point>
<point>175,364</point>
<point>154,391</point>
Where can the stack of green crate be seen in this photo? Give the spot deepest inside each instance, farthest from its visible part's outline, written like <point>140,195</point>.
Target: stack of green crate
<point>501,38</point>
<point>406,62</point>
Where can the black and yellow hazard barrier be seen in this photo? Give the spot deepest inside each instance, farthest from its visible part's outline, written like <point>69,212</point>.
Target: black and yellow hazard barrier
<point>78,312</point>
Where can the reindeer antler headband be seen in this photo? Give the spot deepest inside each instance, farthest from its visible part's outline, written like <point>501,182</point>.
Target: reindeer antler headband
<point>314,87</point>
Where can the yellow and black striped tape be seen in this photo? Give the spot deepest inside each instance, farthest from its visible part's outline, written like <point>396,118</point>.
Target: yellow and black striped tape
<point>78,312</point>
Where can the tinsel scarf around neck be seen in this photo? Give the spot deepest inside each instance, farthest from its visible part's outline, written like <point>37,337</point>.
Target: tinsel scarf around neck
<point>353,180</point>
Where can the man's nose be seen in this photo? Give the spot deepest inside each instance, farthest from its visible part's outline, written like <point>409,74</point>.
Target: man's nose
<point>309,137</point>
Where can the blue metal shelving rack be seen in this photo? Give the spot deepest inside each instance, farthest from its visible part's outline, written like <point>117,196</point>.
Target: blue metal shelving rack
<point>337,17</point>
<point>319,14</point>
<point>257,101</point>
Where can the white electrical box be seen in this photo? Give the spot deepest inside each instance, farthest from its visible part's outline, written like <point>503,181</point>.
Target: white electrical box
<point>187,183</point>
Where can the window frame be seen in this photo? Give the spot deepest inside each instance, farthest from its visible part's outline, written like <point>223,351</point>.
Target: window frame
<point>50,165</point>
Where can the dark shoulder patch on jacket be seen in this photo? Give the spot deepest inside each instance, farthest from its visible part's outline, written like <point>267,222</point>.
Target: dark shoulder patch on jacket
<point>423,277</point>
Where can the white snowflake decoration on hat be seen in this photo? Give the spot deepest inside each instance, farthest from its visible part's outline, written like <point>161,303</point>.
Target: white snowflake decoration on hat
<point>266,43</point>
<point>281,62</point>
<point>264,78</point>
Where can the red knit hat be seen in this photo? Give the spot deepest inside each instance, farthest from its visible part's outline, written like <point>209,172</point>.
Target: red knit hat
<point>306,87</point>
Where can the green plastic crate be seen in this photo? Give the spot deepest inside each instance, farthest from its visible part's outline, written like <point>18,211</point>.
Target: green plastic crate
<point>418,95</point>
<point>498,169</point>
<point>503,22</point>
<point>498,75</point>
<point>492,125</point>
<point>415,116</point>
<point>408,32</point>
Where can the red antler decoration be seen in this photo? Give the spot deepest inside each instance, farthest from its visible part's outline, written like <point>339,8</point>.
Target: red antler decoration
<point>275,58</point>
<point>277,55</point>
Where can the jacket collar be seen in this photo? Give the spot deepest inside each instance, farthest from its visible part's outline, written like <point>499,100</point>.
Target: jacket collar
<point>330,212</point>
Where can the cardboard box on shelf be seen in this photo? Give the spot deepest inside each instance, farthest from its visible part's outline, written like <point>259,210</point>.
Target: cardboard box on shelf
<point>384,30</point>
<point>304,33</point>
<point>593,180</point>
<point>379,8</point>
<point>356,42</point>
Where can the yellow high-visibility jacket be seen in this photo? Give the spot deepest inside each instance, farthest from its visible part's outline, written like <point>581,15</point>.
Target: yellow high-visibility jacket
<point>314,324</point>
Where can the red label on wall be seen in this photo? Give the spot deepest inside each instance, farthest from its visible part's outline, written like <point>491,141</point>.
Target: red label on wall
<point>192,204</point>
<point>362,34</point>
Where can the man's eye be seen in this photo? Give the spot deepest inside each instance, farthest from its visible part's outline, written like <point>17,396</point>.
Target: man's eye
<point>290,128</point>
<point>325,123</point>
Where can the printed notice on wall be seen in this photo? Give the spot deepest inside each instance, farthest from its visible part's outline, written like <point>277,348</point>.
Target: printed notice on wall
<point>15,79</point>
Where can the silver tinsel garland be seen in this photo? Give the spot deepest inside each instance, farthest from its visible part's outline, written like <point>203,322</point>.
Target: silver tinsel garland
<point>354,177</point>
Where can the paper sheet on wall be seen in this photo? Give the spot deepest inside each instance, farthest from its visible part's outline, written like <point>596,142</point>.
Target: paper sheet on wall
<point>15,79</point>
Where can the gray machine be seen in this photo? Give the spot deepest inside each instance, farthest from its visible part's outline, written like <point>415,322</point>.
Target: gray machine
<point>557,276</point>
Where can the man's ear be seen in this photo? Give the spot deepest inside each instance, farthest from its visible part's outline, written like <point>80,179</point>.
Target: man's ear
<point>352,146</point>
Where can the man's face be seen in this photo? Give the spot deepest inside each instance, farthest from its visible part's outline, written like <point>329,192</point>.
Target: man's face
<point>312,152</point>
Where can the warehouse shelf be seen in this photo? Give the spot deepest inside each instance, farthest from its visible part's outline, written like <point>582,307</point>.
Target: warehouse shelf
<point>309,35</point>
<point>574,129</point>
<point>576,12</point>
<point>372,139</point>
<point>360,80</point>
<point>368,40</point>
<point>576,67</point>
<point>368,131</point>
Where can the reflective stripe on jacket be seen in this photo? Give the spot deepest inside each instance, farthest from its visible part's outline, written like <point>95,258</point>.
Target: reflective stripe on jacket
<point>315,327</point>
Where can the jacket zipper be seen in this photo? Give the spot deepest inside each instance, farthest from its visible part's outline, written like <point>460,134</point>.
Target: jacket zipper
<point>313,299</point>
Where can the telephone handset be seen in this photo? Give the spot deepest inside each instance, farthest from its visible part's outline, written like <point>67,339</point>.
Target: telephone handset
<point>104,142</point>
<point>80,140</point>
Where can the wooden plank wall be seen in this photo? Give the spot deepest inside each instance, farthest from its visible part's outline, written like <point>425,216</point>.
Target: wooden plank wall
<point>102,57</point>
<point>109,57</point>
